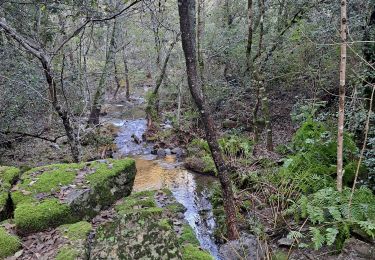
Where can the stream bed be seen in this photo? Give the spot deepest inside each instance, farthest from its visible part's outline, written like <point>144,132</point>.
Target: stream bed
<point>190,189</point>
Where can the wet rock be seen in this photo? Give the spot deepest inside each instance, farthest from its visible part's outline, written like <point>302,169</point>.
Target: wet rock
<point>136,139</point>
<point>161,153</point>
<point>246,247</point>
<point>179,152</point>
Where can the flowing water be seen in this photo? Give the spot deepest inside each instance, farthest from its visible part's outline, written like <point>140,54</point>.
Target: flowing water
<point>190,189</point>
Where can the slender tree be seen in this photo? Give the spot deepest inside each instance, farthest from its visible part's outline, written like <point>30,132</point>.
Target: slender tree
<point>186,10</point>
<point>340,132</point>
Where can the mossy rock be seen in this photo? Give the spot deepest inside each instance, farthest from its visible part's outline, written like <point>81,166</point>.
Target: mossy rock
<point>145,230</point>
<point>191,252</point>
<point>8,176</point>
<point>67,253</point>
<point>204,164</point>
<point>58,194</point>
<point>187,236</point>
<point>9,244</point>
<point>76,231</point>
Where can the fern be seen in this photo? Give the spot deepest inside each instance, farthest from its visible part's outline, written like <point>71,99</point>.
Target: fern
<point>331,234</point>
<point>317,238</point>
<point>329,208</point>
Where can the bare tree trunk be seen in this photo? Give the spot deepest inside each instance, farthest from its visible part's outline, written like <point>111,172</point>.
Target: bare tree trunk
<point>100,91</point>
<point>153,106</point>
<point>341,115</point>
<point>126,71</point>
<point>179,104</point>
<point>117,80</point>
<point>200,38</point>
<point>187,17</point>
<point>250,21</point>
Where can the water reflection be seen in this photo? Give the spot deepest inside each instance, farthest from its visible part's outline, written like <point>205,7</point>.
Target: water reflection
<point>191,190</point>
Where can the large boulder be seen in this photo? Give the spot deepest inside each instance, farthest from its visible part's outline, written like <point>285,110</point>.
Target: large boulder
<point>148,226</point>
<point>58,194</point>
<point>8,175</point>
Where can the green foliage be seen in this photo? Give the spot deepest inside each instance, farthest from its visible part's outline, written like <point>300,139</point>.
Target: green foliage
<point>9,244</point>
<point>33,217</point>
<point>236,145</point>
<point>313,165</point>
<point>332,219</point>
<point>305,110</point>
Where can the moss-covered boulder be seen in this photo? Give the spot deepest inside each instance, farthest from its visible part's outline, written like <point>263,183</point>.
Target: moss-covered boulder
<point>9,244</point>
<point>8,175</point>
<point>147,228</point>
<point>57,194</point>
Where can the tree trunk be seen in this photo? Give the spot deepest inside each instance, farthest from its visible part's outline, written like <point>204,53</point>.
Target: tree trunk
<point>186,10</point>
<point>126,71</point>
<point>341,115</point>
<point>100,91</point>
<point>249,35</point>
<point>117,80</point>
<point>200,38</point>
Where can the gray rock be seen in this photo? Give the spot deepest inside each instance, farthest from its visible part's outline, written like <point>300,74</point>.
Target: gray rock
<point>161,153</point>
<point>247,247</point>
<point>179,152</point>
<point>168,151</point>
<point>285,242</point>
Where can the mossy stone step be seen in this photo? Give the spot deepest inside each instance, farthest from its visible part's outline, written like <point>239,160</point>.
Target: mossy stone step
<point>52,195</point>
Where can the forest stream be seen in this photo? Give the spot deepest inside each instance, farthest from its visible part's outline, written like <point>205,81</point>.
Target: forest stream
<point>189,188</point>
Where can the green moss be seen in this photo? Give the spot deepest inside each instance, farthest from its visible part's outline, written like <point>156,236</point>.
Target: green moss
<point>67,253</point>
<point>76,231</point>
<point>188,236</point>
<point>176,207</point>
<point>9,244</point>
<point>131,204</point>
<point>8,176</point>
<point>18,197</point>
<point>167,192</point>
<point>32,217</point>
<point>49,177</point>
<point>146,193</point>
<point>104,171</point>
<point>190,252</point>
<point>165,224</point>
<point>279,255</point>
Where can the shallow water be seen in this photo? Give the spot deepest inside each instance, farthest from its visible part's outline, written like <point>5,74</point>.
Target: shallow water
<point>190,189</point>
